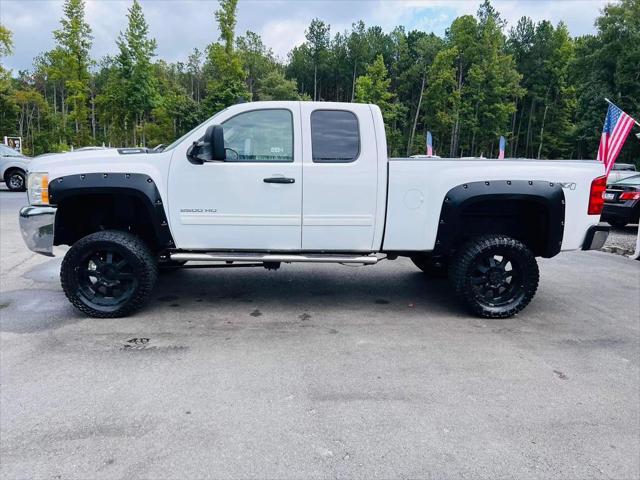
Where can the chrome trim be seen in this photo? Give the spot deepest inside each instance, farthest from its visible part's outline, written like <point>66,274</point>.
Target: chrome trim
<point>36,226</point>
<point>269,257</point>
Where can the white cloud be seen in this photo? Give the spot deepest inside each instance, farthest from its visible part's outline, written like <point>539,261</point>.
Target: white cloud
<point>282,35</point>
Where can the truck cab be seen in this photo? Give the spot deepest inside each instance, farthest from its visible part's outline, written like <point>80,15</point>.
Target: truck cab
<point>297,176</point>
<point>270,183</point>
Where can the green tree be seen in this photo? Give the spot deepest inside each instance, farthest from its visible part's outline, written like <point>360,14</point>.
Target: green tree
<point>318,37</point>
<point>423,55</point>
<point>606,65</point>
<point>543,54</point>
<point>275,86</point>
<point>194,67</point>
<point>74,42</point>
<point>176,111</point>
<point>226,18</point>
<point>300,67</point>
<point>8,108</point>
<point>442,98</point>
<point>223,68</point>
<point>136,50</point>
<point>6,42</point>
<point>357,51</point>
<point>374,87</point>
<point>257,59</point>
<point>538,86</point>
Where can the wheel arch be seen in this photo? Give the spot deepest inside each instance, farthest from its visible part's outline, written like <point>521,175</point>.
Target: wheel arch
<point>528,210</point>
<point>91,202</point>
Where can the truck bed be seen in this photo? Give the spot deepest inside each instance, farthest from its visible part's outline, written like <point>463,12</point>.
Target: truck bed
<point>418,187</point>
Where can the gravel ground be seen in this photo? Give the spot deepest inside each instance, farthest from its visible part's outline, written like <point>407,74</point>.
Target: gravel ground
<point>621,241</point>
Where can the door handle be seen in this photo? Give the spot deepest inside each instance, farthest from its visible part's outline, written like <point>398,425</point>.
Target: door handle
<point>279,180</point>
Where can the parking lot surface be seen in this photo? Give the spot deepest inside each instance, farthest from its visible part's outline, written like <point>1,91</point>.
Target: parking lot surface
<point>317,371</point>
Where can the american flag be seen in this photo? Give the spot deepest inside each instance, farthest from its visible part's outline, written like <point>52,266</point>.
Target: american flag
<point>617,125</point>
<point>429,144</point>
<point>503,145</point>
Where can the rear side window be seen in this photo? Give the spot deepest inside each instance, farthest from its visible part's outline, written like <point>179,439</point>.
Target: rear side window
<point>335,136</point>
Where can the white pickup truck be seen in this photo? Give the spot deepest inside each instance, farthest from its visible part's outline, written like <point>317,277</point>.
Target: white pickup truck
<point>278,182</point>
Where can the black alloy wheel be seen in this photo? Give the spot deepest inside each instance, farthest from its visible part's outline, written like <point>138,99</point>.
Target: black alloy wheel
<point>108,274</point>
<point>496,276</point>
<point>105,278</point>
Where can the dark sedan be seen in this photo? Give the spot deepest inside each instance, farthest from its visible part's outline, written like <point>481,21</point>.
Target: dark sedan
<point>622,202</point>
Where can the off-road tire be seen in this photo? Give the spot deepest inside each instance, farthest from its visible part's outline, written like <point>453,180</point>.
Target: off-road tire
<point>431,269</point>
<point>20,182</point>
<point>142,263</point>
<point>464,264</point>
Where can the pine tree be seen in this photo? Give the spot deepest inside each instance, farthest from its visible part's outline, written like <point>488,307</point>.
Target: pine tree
<point>74,42</point>
<point>226,18</point>
<point>223,68</point>
<point>374,87</point>
<point>139,94</point>
<point>318,38</point>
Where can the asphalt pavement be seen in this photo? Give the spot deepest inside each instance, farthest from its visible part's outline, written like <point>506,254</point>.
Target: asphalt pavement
<point>319,371</point>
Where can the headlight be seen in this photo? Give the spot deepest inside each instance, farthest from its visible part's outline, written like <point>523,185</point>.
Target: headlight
<point>38,188</point>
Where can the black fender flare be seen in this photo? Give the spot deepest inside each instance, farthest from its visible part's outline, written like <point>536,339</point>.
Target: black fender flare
<point>547,194</point>
<point>134,184</point>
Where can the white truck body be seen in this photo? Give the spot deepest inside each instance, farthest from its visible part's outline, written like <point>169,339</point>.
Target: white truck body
<point>330,206</point>
<point>294,200</point>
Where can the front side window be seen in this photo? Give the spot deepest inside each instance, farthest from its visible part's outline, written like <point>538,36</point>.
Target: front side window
<point>259,136</point>
<point>335,136</point>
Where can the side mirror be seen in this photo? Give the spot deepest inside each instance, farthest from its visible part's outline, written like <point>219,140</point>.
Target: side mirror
<point>210,148</point>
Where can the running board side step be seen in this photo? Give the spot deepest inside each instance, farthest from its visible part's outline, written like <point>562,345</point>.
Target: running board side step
<point>273,258</point>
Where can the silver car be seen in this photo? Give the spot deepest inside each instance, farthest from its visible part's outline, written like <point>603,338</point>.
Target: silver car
<point>13,169</point>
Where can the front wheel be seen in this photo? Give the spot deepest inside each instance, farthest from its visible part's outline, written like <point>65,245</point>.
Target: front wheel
<point>495,276</point>
<point>16,181</point>
<point>108,274</point>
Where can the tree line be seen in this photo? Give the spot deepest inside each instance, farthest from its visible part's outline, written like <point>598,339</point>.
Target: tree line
<point>532,82</point>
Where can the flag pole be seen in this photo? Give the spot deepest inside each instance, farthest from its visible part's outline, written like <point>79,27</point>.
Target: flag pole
<point>611,103</point>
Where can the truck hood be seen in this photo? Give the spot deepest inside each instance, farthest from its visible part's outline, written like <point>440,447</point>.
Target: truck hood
<point>155,165</point>
<point>88,159</point>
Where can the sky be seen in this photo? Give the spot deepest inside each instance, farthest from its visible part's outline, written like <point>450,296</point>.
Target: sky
<point>180,25</point>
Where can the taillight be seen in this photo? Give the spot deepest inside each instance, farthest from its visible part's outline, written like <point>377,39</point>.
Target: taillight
<point>596,200</point>
<point>629,196</point>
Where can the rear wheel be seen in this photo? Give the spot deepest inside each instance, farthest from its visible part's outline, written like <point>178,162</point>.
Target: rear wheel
<point>15,180</point>
<point>108,274</point>
<point>495,276</point>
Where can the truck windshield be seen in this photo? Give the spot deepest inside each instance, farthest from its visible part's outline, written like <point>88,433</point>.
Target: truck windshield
<point>190,132</point>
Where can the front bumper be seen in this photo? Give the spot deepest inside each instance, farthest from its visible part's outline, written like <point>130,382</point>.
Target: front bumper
<point>595,238</point>
<point>36,226</point>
